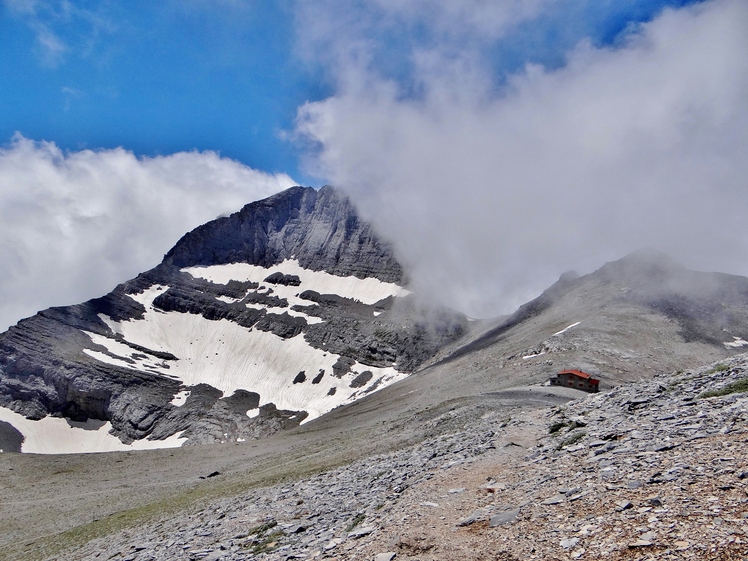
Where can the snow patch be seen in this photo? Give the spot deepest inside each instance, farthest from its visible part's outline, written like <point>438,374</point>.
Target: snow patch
<point>230,357</point>
<point>736,343</point>
<point>532,356</point>
<point>53,435</point>
<point>180,398</point>
<point>367,291</point>
<point>565,329</point>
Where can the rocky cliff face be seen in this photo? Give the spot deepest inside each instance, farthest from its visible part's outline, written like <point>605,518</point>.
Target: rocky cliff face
<point>320,229</point>
<point>251,324</point>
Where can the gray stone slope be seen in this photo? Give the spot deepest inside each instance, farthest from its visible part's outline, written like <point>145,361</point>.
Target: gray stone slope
<point>438,406</point>
<point>43,370</point>
<point>656,468</point>
<point>635,316</point>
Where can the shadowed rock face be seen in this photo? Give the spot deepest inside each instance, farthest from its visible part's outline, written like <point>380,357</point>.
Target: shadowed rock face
<point>318,228</point>
<point>10,438</point>
<point>43,369</point>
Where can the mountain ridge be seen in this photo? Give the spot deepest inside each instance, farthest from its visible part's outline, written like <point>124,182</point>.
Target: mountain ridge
<point>300,246</point>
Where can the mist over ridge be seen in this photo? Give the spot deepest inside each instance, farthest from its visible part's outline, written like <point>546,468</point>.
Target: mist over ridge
<point>490,194</point>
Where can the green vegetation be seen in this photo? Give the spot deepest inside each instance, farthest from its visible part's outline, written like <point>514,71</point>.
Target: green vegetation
<point>262,528</point>
<point>355,522</point>
<point>674,385</point>
<point>740,386</point>
<point>264,544</point>
<point>572,439</point>
<point>555,427</point>
<point>378,475</point>
<point>718,368</point>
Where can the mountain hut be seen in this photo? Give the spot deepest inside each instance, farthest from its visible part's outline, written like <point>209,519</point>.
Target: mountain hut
<point>576,379</point>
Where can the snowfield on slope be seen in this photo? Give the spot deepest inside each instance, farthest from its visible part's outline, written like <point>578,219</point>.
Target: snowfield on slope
<point>368,290</point>
<point>230,357</point>
<point>53,435</point>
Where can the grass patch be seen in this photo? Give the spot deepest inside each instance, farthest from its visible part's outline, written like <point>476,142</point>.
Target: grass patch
<point>555,427</point>
<point>572,439</point>
<point>264,542</point>
<point>741,386</point>
<point>674,385</point>
<point>355,522</point>
<point>718,368</point>
<point>262,528</point>
<point>268,543</point>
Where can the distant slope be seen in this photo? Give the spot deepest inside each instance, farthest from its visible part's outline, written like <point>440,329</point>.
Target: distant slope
<point>628,320</point>
<point>251,324</point>
<point>611,323</point>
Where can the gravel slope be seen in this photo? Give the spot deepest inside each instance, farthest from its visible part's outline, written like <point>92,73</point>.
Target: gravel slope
<point>651,470</point>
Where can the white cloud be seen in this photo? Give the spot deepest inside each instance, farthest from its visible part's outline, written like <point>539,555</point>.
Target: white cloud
<point>351,39</point>
<point>73,225</point>
<point>639,145</point>
<point>62,27</point>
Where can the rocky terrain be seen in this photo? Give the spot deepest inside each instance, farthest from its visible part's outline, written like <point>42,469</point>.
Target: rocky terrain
<point>293,306</point>
<point>388,431</point>
<point>163,356</point>
<point>654,470</point>
<point>629,320</point>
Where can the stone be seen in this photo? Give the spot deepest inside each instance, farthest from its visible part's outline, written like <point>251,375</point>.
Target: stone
<point>569,543</point>
<point>332,544</point>
<point>473,517</point>
<point>556,499</point>
<point>503,518</point>
<point>387,556</point>
<point>361,532</point>
<point>654,500</point>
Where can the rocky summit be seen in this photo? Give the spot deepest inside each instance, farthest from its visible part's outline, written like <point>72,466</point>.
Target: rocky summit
<point>252,323</point>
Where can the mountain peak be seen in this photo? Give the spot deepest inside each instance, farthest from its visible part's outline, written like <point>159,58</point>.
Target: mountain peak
<point>319,229</point>
<point>252,323</point>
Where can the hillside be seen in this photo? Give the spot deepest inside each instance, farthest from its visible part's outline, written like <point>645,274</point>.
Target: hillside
<point>213,348</point>
<point>653,469</point>
<point>253,323</point>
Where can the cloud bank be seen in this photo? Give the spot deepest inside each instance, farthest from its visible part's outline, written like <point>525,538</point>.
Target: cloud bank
<point>493,186</point>
<point>73,225</point>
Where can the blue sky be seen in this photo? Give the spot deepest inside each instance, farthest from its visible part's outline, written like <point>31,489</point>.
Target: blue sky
<point>509,140</point>
<point>156,78</point>
<point>163,77</point>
